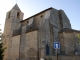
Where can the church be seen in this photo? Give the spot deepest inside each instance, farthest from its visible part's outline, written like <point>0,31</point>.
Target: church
<point>33,38</point>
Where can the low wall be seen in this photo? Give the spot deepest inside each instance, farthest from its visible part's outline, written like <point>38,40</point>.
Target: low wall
<point>62,57</point>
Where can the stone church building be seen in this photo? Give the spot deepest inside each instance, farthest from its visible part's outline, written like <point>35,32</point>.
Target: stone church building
<point>33,38</point>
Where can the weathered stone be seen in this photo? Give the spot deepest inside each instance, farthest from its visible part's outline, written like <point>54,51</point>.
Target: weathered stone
<point>34,37</point>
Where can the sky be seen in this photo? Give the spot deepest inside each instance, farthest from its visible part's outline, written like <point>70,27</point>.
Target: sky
<point>31,7</point>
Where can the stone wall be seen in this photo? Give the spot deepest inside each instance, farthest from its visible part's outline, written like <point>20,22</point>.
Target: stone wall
<point>6,44</point>
<point>69,43</point>
<point>31,36</point>
<point>65,21</point>
<point>62,57</point>
<point>77,34</point>
<point>54,18</point>
<point>54,22</point>
<point>31,47</point>
<point>12,23</point>
<point>14,55</point>
<point>40,23</point>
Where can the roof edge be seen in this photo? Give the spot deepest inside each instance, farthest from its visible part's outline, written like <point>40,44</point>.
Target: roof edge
<point>68,30</point>
<point>37,14</point>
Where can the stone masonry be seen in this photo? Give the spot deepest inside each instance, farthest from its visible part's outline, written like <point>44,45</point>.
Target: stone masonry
<point>33,38</point>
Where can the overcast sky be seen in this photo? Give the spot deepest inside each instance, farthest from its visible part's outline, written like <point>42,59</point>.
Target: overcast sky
<point>31,7</point>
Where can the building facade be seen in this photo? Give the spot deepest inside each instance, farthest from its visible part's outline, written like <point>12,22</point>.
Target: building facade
<point>33,38</point>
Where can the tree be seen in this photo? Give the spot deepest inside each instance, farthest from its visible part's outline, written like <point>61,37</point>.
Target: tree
<point>78,38</point>
<point>1,51</point>
<point>1,46</point>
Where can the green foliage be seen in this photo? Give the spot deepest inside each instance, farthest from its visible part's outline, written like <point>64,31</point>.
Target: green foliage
<point>1,46</point>
<point>45,58</point>
<point>1,51</point>
<point>50,58</point>
<point>78,38</point>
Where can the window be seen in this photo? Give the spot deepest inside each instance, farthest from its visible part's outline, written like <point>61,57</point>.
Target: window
<point>0,29</point>
<point>47,49</point>
<point>27,21</point>
<point>0,32</point>
<point>41,16</point>
<point>9,14</point>
<point>0,38</point>
<point>18,14</point>
<point>30,28</point>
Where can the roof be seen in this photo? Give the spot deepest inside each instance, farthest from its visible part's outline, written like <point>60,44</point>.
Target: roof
<point>16,7</point>
<point>67,30</point>
<point>37,14</point>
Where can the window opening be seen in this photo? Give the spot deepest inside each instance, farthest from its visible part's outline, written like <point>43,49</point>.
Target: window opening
<point>27,21</point>
<point>9,14</point>
<point>18,14</point>
<point>41,15</point>
<point>30,28</point>
<point>47,49</point>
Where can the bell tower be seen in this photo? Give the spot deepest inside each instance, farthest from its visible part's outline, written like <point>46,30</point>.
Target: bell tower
<point>13,18</point>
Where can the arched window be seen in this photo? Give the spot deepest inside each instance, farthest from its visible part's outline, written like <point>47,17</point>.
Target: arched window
<point>9,14</point>
<point>18,14</point>
<point>47,50</point>
<point>30,28</point>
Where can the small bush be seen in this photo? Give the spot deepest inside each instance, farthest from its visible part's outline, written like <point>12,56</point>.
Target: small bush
<point>50,58</point>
